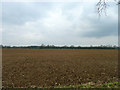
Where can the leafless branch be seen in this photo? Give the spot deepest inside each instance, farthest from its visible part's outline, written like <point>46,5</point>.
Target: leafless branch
<point>102,5</point>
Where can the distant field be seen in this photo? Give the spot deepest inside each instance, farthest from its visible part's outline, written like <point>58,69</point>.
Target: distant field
<point>58,67</point>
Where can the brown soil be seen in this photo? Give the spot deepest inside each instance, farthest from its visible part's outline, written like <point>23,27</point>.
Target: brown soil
<point>54,67</point>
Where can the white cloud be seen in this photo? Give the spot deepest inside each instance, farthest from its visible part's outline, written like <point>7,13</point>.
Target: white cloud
<point>62,24</point>
<point>53,1</point>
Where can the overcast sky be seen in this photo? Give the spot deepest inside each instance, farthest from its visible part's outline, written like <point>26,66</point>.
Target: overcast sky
<point>54,23</point>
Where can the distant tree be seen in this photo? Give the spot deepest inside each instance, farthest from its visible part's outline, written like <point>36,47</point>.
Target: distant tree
<point>42,45</point>
<point>72,46</point>
<point>1,46</point>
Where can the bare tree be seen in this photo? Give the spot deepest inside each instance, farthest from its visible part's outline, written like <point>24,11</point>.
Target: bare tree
<point>102,5</point>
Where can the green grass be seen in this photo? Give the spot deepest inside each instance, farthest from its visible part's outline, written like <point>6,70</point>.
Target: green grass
<point>111,85</point>
<point>106,85</point>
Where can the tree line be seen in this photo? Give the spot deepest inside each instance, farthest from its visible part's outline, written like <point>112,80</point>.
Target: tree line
<point>63,47</point>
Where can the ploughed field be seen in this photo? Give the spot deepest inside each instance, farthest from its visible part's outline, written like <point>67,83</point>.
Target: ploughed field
<point>58,67</point>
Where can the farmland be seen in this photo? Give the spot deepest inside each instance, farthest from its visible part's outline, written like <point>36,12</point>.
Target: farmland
<point>58,67</point>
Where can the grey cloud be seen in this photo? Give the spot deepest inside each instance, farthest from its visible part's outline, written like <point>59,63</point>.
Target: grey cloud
<point>18,13</point>
<point>56,23</point>
<point>103,30</point>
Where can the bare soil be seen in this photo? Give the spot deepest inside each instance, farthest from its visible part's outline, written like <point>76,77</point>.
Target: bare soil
<point>58,67</point>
